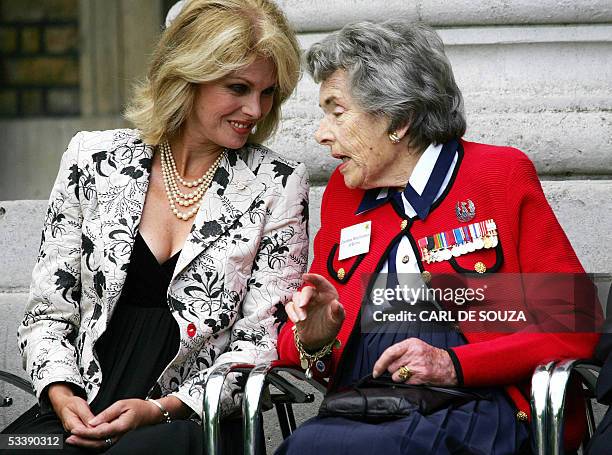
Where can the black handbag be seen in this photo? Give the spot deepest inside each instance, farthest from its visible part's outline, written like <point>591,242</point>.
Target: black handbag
<point>378,400</point>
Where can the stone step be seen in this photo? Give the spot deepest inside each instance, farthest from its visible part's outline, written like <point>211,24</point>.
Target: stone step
<point>320,15</point>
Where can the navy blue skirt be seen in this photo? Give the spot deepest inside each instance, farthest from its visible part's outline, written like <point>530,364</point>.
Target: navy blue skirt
<point>487,427</point>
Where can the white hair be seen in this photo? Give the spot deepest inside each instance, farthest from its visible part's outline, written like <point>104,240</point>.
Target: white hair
<point>398,70</point>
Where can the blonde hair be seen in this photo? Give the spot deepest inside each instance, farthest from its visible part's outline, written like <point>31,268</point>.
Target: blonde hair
<point>207,41</point>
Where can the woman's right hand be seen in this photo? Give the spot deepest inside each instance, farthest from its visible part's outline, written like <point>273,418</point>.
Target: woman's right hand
<point>72,410</point>
<point>316,312</point>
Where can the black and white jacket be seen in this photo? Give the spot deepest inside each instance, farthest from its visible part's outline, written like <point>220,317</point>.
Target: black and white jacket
<point>241,262</point>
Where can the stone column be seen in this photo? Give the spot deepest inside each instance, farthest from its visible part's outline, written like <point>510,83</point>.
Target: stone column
<point>117,39</point>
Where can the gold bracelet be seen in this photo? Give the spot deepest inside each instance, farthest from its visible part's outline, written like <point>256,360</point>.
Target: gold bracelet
<point>161,407</point>
<point>307,359</point>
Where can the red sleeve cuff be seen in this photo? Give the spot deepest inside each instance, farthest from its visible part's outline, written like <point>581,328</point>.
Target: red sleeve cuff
<point>457,365</point>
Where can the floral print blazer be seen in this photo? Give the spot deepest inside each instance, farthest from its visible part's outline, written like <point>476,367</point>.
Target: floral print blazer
<point>240,263</point>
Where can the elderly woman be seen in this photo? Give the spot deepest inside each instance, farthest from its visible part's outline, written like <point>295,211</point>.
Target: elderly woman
<point>169,248</point>
<point>393,114</point>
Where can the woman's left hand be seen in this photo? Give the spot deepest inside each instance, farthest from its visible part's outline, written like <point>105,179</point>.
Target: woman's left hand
<point>114,422</point>
<point>428,365</point>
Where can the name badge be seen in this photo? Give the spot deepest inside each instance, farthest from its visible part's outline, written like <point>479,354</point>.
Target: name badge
<point>355,240</point>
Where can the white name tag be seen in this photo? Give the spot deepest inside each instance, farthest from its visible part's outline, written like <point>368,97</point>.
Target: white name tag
<point>355,240</point>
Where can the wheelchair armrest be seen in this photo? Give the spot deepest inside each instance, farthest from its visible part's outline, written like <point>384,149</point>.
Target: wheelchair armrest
<point>557,392</point>
<point>262,375</point>
<point>586,369</point>
<point>212,400</point>
<point>540,381</point>
<point>293,370</point>
<point>17,381</point>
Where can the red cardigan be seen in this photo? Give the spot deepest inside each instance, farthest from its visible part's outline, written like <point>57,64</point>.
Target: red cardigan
<point>503,184</point>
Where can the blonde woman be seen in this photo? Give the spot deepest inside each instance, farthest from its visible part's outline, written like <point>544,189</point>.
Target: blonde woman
<point>167,249</point>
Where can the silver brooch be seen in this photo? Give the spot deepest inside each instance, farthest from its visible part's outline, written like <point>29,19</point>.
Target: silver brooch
<point>465,210</point>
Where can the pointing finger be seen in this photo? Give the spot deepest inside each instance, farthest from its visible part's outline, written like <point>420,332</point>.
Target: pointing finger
<point>320,282</point>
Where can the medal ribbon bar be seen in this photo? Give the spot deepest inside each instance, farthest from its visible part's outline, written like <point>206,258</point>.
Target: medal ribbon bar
<point>457,241</point>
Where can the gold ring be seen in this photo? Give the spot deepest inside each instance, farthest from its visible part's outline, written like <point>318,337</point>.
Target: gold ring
<point>404,373</point>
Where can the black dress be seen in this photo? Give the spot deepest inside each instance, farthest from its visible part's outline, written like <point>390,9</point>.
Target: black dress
<point>140,341</point>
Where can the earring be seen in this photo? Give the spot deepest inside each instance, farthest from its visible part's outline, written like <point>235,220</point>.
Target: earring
<point>393,137</point>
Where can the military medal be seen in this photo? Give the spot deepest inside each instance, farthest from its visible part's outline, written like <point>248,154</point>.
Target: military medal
<point>492,230</point>
<point>423,248</point>
<point>443,246</point>
<point>491,227</point>
<point>487,242</point>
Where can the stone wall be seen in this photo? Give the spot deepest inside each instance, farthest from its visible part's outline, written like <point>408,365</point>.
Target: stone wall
<point>39,61</point>
<point>541,85</point>
<point>73,57</point>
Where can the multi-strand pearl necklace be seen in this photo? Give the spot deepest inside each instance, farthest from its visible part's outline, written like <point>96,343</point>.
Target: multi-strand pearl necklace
<point>176,198</point>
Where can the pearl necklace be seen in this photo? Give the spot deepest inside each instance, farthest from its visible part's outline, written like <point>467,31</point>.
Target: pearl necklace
<point>175,196</point>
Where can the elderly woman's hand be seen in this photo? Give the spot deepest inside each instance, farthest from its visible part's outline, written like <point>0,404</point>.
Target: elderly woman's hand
<point>316,312</point>
<point>428,364</point>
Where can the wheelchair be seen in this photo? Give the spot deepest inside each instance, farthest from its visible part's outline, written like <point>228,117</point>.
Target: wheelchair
<point>549,384</point>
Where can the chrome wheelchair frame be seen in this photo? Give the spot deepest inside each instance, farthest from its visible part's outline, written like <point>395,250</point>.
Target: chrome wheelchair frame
<point>549,385</point>
<point>260,377</point>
